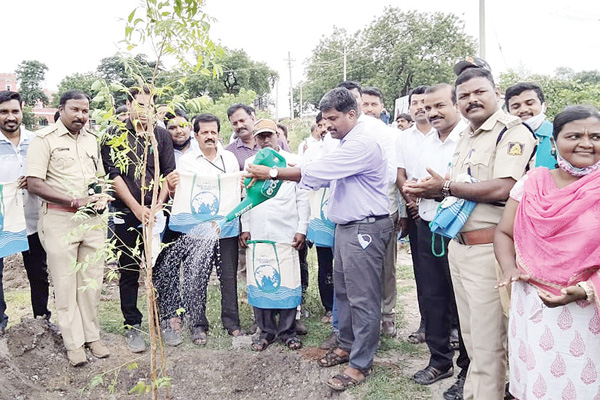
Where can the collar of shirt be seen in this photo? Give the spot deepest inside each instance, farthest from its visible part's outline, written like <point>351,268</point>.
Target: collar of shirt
<point>488,125</point>
<point>25,137</point>
<point>240,143</point>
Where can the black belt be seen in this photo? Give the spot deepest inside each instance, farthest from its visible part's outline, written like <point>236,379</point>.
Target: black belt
<point>368,220</point>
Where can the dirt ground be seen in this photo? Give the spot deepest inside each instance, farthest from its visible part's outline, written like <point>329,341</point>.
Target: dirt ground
<point>33,363</point>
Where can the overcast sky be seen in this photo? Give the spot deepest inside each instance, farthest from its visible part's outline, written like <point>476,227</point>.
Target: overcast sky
<point>72,36</point>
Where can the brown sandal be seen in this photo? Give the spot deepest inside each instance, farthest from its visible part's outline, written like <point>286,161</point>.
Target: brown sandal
<point>332,359</point>
<point>346,382</point>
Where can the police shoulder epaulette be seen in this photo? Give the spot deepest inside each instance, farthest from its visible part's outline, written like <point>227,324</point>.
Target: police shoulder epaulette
<point>91,132</point>
<point>46,131</point>
<point>509,121</point>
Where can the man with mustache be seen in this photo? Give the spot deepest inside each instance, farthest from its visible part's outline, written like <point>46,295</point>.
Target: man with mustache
<point>208,159</point>
<point>14,142</point>
<point>128,189</point>
<point>408,147</point>
<point>526,101</point>
<point>494,150</point>
<point>63,164</point>
<point>433,275</point>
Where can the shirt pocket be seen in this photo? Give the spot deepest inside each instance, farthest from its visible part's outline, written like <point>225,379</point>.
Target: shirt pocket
<point>90,161</point>
<point>478,165</point>
<point>63,159</point>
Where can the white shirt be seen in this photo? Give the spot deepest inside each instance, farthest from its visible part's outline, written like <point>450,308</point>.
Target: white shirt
<point>408,148</point>
<point>280,218</point>
<point>436,155</point>
<point>309,141</point>
<point>13,160</point>
<point>193,146</point>
<point>195,161</point>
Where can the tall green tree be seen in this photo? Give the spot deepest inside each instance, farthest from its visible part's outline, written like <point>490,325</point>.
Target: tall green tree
<point>78,81</point>
<point>30,74</point>
<point>396,52</point>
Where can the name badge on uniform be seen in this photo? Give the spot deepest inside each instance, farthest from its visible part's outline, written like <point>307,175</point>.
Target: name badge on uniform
<point>515,148</point>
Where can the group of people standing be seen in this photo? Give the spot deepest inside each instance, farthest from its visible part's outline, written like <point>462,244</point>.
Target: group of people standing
<point>518,280</point>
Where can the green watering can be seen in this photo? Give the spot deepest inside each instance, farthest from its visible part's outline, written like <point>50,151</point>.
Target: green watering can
<point>261,190</point>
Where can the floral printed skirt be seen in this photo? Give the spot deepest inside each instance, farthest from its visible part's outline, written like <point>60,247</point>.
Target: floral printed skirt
<point>554,353</point>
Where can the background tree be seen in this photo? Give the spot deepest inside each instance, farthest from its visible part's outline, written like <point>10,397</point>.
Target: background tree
<point>124,71</point>
<point>396,52</point>
<point>79,81</point>
<point>30,75</point>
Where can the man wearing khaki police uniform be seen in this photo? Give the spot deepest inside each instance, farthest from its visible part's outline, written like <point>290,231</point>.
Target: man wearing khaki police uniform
<point>494,150</point>
<point>63,164</point>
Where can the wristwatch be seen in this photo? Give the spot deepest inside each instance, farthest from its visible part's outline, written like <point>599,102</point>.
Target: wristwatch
<point>273,172</point>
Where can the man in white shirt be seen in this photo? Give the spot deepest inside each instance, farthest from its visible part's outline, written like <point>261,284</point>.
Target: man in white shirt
<point>209,159</point>
<point>408,148</point>
<point>14,142</point>
<point>436,297</point>
<point>315,137</point>
<point>281,219</point>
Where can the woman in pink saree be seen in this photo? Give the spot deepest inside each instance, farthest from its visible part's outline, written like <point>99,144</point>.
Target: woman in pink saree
<point>548,246</point>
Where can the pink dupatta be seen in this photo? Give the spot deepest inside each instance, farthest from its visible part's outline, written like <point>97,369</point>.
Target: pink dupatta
<point>557,232</point>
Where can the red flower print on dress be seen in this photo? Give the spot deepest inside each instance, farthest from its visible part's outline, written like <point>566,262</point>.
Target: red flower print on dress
<point>558,366</point>
<point>588,374</point>
<point>565,320</point>
<point>594,324</point>
<point>539,387</point>
<point>577,347</point>
<point>547,340</point>
<point>569,392</point>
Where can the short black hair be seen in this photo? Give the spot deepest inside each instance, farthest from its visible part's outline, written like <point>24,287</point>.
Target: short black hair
<point>573,113</point>
<point>7,95</point>
<point>351,85</point>
<point>521,87</point>
<point>206,117</point>
<point>441,86</point>
<point>373,91</point>
<point>319,117</point>
<point>134,91</point>
<point>122,109</point>
<point>472,73</point>
<point>249,110</point>
<point>405,116</point>
<point>73,95</point>
<point>417,90</point>
<point>284,129</point>
<point>176,113</point>
<point>339,99</point>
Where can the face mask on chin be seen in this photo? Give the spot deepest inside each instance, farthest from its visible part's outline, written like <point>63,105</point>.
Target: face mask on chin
<point>536,121</point>
<point>575,171</point>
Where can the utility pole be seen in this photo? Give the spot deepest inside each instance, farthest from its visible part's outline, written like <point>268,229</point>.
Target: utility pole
<point>482,29</point>
<point>300,100</point>
<point>345,54</point>
<point>277,99</point>
<point>289,61</point>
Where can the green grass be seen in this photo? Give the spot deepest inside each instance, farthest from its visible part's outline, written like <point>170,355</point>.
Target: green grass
<point>387,382</point>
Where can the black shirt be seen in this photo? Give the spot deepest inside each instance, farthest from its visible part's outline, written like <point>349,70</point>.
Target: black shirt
<point>133,178</point>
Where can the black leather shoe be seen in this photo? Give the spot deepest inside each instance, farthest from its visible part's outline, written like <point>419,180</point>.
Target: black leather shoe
<point>455,392</point>
<point>431,374</point>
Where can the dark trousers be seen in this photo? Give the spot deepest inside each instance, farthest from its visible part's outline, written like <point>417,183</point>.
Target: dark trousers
<point>325,259</point>
<point>302,254</point>
<point>436,296</point>
<point>172,295</point>
<point>129,268</point>
<point>34,260</point>
<point>270,328</point>
<point>414,254</point>
<point>359,253</point>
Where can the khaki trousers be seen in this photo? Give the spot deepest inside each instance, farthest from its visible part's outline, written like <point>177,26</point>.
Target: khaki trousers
<point>388,277</point>
<point>482,321</point>
<point>67,241</point>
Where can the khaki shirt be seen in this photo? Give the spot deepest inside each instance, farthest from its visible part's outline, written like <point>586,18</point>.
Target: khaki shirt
<point>68,164</point>
<point>478,155</point>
